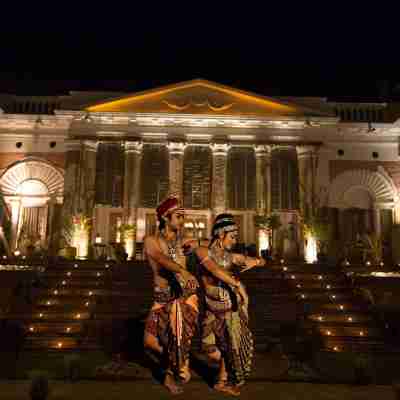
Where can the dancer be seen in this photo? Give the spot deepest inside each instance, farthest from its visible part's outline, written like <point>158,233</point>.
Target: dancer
<point>226,337</point>
<point>173,318</point>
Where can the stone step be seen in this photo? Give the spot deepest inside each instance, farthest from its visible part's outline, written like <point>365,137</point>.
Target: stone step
<point>357,345</point>
<point>64,327</point>
<point>323,306</point>
<point>350,331</point>
<point>59,342</point>
<point>340,317</point>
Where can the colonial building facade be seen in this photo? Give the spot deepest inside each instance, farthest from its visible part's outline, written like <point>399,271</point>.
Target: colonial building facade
<point>113,156</point>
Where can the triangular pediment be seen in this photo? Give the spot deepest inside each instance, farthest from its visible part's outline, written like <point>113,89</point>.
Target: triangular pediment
<point>201,97</point>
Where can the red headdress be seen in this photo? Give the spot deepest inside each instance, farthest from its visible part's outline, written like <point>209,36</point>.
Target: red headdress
<point>167,206</point>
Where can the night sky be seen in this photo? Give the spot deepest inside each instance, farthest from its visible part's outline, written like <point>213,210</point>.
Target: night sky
<point>336,50</point>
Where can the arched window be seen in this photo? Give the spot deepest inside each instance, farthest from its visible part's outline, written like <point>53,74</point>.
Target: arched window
<point>197,164</point>
<point>284,179</point>
<point>154,175</point>
<point>241,182</point>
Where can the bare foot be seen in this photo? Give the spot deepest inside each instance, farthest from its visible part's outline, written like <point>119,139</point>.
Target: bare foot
<point>228,389</point>
<point>171,385</point>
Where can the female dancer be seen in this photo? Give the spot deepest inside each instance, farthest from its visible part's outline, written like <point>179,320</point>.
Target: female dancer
<point>225,333</point>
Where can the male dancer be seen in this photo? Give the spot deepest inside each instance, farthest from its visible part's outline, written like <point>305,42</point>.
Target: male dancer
<point>172,320</point>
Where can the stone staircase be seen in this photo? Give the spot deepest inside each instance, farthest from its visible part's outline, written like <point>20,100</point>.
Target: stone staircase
<point>99,307</point>
<point>328,307</point>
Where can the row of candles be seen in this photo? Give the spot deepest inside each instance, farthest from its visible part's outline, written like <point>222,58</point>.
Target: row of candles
<point>78,316</point>
<point>332,297</point>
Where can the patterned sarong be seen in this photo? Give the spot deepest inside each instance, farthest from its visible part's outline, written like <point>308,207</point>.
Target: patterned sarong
<point>225,328</point>
<point>173,321</point>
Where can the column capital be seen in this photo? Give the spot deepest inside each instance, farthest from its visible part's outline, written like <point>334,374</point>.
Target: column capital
<point>133,147</point>
<point>90,145</point>
<point>176,148</point>
<point>72,145</point>
<point>305,150</point>
<point>262,150</point>
<point>220,149</point>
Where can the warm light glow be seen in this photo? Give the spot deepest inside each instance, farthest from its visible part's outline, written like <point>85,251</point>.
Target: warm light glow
<point>241,137</point>
<point>350,319</point>
<point>78,316</point>
<point>298,286</point>
<point>347,263</point>
<point>68,329</point>
<point>4,257</point>
<point>329,333</point>
<point>127,103</point>
<point>87,304</point>
<point>336,348</point>
<point>381,264</point>
<point>320,277</point>
<point>333,296</point>
<point>263,241</point>
<point>361,333</point>
<point>48,303</point>
<point>40,315</point>
<point>80,240</point>
<point>293,277</point>
<point>59,345</point>
<point>311,250</point>
<point>55,292</point>
<point>368,263</point>
<point>341,307</point>
<point>282,261</point>
<point>31,328</point>
<point>90,293</point>
<point>69,273</point>
<point>17,253</point>
<point>107,266</point>
<point>98,274</point>
<point>284,268</point>
<point>64,282</point>
<point>320,318</point>
<point>328,286</point>
<point>303,296</point>
<point>75,265</point>
<point>98,239</point>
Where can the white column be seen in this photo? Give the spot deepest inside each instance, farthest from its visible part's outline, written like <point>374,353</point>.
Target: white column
<point>132,190</point>
<point>219,170</point>
<point>377,221</point>
<point>263,179</point>
<point>15,214</point>
<point>176,152</point>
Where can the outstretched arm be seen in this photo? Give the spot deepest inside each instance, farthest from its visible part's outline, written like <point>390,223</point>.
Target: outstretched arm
<point>247,262</point>
<point>213,268</point>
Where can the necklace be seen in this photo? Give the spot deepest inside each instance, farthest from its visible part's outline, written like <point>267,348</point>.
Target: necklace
<point>224,261</point>
<point>171,244</point>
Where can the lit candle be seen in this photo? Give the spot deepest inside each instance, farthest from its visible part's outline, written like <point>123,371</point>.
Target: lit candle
<point>350,319</point>
<point>361,333</point>
<point>293,277</point>
<point>368,263</point>
<point>78,316</point>
<point>303,296</point>
<point>90,293</point>
<point>328,286</point>
<point>48,303</point>
<point>282,260</point>
<point>298,285</point>
<point>285,268</point>
<point>336,348</point>
<point>59,345</point>
<point>31,328</point>
<point>328,333</point>
<point>68,329</point>
<point>64,282</point>
<point>69,273</point>
<point>87,304</point>
<point>320,277</point>
<point>75,265</point>
<point>333,296</point>
<point>56,292</point>
<point>107,266</point>
<point>341,307</point>
<point>40,315</point>
<point>98,274</point>
<point>320,318</point>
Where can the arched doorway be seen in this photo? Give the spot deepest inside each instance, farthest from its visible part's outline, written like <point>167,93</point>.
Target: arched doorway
<point>33,189</point>
<point>362,201</point>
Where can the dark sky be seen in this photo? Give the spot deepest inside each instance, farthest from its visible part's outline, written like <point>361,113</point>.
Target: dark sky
<point>335,49</point>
